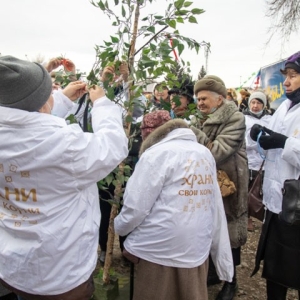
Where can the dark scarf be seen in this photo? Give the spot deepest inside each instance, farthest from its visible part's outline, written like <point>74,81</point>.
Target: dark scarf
<point>294,97</point>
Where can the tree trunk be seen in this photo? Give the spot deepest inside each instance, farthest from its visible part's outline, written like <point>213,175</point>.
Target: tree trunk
<point>110,244</point>
<point>111,228</point>
<point>118,187</point>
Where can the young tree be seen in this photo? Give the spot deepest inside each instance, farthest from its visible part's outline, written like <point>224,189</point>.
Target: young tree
<point>148,43</point>
<point>202,73</point>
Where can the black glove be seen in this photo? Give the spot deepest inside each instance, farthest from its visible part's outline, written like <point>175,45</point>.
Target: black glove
<point>255,130</point>
<point>272,141</point>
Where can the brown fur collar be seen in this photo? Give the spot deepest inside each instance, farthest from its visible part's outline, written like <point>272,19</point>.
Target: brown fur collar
<point>161,132</point>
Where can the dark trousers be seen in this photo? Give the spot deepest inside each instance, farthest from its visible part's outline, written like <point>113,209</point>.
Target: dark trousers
<point>10,296</point>
<point>105,209</point>
<point>276,291</point>
<point>236,256</point>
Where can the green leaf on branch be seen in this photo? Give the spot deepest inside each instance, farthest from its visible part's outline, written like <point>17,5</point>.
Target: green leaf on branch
<point>116,2</point>
<point>101,5</point>
<point>146,51</point>
<point>180,20</point>
<point>152,47</point>
<point>114,39</point>
<point>187,4</point>
<point>182,12</point>
<point>178,4</point>
<point>110,93</point>
<point>175,43</point>
<point>180,48</point>
<point>197,11</point>
<point>72,119</point>
<point>151,29</point>
<point>172,23</point>
<point>192,19</point>
<point>161,23</point>
<point>123,12</point>
<point>128,119</point>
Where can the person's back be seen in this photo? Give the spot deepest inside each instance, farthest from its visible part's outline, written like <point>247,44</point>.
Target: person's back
<point>174,213</point>
<point>48,173</point>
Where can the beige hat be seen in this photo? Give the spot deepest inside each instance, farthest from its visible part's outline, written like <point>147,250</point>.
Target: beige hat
<point>211,83</point>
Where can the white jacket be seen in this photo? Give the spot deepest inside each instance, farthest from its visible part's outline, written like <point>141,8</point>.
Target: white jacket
<point>254,158</point>
<point>49,204</point>
<point>282,164</point>
<point>173,207</point>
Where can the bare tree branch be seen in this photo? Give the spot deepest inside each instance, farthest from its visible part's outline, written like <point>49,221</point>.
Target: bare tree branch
<point>285,15</point>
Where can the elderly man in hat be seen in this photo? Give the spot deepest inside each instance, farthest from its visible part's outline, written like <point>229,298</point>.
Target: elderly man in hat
<point>173,213</point>
<point>221,128</point>
<point>49,212</point>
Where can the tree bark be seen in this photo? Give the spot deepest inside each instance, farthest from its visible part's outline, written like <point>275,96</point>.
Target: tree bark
<point>118,187</point>
<point>111,228</point>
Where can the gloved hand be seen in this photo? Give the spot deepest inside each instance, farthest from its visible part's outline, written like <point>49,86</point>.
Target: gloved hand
<point>272,141</point>
<point>255,130</point>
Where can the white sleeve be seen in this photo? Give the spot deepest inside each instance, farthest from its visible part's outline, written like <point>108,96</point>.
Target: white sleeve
<point>62,104</point>
<point>142,190</point>
<point>95,155</point>
<point>220,249</point>
<point>291,152</point>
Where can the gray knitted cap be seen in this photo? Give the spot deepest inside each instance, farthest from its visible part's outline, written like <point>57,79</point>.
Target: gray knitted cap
<point>259,96</point>
<point>24,85</point>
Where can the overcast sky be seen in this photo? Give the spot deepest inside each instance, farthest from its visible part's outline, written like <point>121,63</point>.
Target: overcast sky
<point>236,30</point>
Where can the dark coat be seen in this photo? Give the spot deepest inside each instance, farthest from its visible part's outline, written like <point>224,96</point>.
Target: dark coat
<point>224,134</point>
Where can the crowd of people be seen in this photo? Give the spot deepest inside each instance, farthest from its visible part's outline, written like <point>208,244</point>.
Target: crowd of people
<point>181,229</point>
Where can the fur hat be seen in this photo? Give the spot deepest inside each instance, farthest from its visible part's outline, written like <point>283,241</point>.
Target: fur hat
<point>153,120</point>
<point>211,83</point>
<point>24,85</point>
<point>258,96</point>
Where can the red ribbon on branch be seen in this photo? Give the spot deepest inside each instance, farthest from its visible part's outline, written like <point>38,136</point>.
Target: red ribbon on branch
<point>174,51</point>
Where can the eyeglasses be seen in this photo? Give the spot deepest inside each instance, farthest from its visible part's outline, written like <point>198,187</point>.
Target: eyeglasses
<point>295,58</point>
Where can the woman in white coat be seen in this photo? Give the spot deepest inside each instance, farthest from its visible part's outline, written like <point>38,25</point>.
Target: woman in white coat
<point>279,245</point>
<point>174,214</point>
<point>256,113</point>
